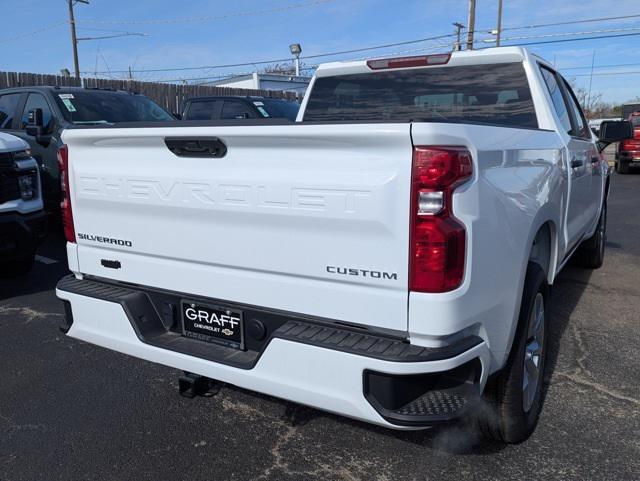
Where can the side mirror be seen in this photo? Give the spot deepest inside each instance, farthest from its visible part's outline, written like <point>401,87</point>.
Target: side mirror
<point>36,127</point>
<point>615,131</point>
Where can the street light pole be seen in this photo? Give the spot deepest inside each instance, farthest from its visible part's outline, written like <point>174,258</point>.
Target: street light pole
<point>499,27</point>
<point>471,24</point>
<point>296,50</point>
<point>74,39</point>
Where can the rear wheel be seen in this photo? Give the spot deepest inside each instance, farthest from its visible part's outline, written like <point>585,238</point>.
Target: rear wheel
<point>622,167</point>
<point>514,395</point>
<point>590,254</point>
<point>17,267</point>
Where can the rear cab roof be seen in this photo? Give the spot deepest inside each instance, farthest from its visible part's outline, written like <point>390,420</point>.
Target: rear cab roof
<point>465,57</point>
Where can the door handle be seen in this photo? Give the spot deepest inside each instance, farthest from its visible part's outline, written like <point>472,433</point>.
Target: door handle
<point>211,147</point>
<point>575,163</point>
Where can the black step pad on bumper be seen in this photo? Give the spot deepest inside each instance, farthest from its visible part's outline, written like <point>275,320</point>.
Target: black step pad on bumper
<point>142,306</point>
<point>364,344</point>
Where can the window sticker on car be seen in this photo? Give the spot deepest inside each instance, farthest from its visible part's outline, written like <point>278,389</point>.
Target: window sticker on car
<point>262,111</point>
<point>65,96</point>
<point>67,103</point>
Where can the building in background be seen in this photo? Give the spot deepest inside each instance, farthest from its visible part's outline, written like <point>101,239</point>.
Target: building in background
<point>266,81</point>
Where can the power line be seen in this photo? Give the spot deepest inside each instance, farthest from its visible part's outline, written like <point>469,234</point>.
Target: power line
<point>115,35</point>
<point>379,47</point>
<point>307,67</point>
<point>572,22</point>
<point>561,40</point>
<point>601,66</point>
<point>34,32</point>
<point>422,49</point>
<point>566,34</point>
<point>634,72</point>
<point>287,59</point>
<point>208,18</point>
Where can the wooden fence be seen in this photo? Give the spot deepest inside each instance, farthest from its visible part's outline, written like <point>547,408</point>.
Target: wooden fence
<point>170,96</point>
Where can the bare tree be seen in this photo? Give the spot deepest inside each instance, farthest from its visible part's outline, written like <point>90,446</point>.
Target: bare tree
<point>593,105</point>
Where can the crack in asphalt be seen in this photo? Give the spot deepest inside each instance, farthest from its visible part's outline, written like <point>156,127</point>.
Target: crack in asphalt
<point>580,360</point>
<point>30,314</point>
<point>288,430</point>
<point>576,378</point>
<point>12,426</point>
<point>581,373</point>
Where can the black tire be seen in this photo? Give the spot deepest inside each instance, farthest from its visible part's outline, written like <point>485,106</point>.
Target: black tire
<point>590,254</point>
<point>622,167</point>
<point>17,267</point>
<point>506,417</point>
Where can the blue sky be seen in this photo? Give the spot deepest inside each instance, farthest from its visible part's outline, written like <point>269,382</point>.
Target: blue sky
<point>327,26</point>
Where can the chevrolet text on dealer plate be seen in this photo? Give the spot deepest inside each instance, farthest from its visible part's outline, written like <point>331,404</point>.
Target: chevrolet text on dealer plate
<point>386,257</point>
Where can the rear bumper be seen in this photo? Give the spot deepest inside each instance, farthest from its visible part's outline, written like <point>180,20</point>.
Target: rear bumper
<point>367,376</point>
<point>20,234</point>
<point>629,155</point>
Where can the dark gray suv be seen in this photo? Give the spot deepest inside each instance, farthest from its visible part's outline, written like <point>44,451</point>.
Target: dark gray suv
<point>40,114</point>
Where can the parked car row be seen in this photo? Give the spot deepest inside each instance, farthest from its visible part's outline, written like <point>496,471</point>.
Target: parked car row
<point>32,120</point>
<point>215,108</point>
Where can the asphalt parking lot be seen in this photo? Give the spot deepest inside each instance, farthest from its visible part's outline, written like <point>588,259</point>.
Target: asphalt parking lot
<point>72,411</point>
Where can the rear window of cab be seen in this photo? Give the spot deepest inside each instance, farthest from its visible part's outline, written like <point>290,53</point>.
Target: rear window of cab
<point>492,94</point>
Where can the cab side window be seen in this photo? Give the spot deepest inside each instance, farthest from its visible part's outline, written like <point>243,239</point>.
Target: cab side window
<point>557,98</point>
<point>8,106</point>
<point>581,128</point>
<point>37,101</point>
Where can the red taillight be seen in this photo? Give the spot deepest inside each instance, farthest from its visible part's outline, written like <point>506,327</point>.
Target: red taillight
<point>437,237</point>
<point>406,62</point>
<point>630,144</point>
<point>65,203</point>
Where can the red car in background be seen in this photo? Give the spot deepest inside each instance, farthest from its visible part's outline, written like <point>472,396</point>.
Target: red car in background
<point>628,154</point>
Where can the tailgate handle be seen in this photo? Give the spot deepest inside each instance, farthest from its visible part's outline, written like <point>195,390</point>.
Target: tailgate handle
<point>205,147</point>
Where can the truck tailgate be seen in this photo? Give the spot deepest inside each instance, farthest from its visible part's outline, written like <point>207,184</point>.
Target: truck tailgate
<point>312,219</point>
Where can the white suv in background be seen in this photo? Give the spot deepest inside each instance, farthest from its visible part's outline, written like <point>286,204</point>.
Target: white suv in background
<point>22,220</point>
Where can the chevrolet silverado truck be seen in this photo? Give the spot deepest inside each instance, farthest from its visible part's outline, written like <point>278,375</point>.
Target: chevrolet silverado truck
<point>386,257</point>
<point>22,220</point>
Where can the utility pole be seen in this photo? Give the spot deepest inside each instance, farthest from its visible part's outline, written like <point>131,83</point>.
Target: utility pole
<point>458,46</point>
<point>471,24</point>
<point>499,27</point>
<point>74,39</point>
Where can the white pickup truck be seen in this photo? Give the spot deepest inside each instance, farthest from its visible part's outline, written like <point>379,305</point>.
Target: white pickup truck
<point>387,257</point>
